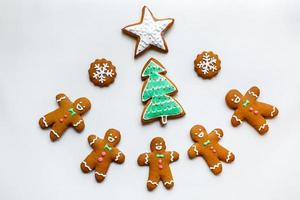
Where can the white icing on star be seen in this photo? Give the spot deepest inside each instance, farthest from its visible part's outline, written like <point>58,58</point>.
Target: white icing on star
<point>149,32</point>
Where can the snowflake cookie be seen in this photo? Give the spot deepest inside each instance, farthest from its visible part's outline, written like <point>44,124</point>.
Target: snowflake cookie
<point>102,72</point>
<point>149,32</point>
<point>207,65</point>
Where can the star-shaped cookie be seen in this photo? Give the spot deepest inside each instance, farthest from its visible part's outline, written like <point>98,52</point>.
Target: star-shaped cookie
<point>149,32</point>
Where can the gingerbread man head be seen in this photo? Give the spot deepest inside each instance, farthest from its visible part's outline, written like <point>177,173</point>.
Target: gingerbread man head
<point>158,144</point>
<point>198,133</point>
<point>82,105</point>
<point>112,137</point>
<point>233,98</point>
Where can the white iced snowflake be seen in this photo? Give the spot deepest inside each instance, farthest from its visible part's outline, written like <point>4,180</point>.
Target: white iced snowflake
<point>102,72</point>
<point>207,64</point>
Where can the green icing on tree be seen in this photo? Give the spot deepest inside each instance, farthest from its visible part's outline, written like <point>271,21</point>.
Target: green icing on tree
<point>156,89</point>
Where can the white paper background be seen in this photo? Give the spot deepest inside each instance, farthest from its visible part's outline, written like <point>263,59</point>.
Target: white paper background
<point>46,48</point>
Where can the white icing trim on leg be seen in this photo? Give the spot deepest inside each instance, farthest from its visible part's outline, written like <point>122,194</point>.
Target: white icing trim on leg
<point>60,99</point>
<point>56,134</point>
<point>100,174</point>
<point>195,150</point>
<point>118,156</point>
<point>152,182</point>
<point>77,123</point>
<point>237,119</point>
<point>262,126</point>
<point>168,183</point>
<point>273,111</point>
<point>86,166</point>
<point>253,94</point>
<point>147,159</point>
<point>44,121</point>
<point>94,140</point>
<point>215,166</point>
<point>228,156</point>
<point>172,156</point>
<point>218,134</point>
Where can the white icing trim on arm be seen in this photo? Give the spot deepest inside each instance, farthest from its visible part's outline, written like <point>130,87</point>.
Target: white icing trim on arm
<point>44,121</point>
<point>218,134</point>
<point>94,140</point>
<point>273,111</point>
<point>60,99</point>
<point>237,119</point>
<point>228,156</point>
<point>172,156</point>
<point>195,150</point>
<point>253,94</point>
<point>77,123</point>
<point>146,159</point>
<point>118,156</point>
<point>262,126</point>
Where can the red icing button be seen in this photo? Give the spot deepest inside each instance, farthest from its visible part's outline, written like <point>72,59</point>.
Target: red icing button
<point>255,112</point>
<point>100,159</point>
<point>159,161</point>
<point>251,109</point>
<point>103,153</point>
<point>61,120</point>
<point>65,116</point>
<point>160,166</point>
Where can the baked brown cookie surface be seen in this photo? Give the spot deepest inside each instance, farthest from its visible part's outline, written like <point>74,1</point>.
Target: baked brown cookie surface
<point>207,64</point>
<point>102,72</point>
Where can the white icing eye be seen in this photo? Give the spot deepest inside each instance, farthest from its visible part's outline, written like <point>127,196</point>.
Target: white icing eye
<point>116,137</point>
<point>201,134</point>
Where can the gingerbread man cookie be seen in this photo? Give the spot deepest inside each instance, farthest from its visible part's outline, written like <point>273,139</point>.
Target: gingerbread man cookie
<point>158,161</point>
<point>207,65</point>
<point>102,72</point>
<point>149,32</point>
<point>208,147</point>
<point>104,152</point>
<point>68,114</point>
<point>248,108</point>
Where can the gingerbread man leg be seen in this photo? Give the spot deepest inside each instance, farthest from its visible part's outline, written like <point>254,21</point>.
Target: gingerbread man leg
<point>213,162</point>
<point>89,163</point>
<point>167,179</point>
<point>259,123</point>
<point>101,171</point>
<point>153,180</point>
<point>57,131</point>
<point>266,110</point>
<point>47,120</point>
<point>224,154</point>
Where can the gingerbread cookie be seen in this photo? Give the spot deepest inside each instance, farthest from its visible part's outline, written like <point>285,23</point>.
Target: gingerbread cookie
<point>68,114</point>
<point>156,93</point>
<point>149,32</point>
<point>207,146</point>
<point>158,161</point>
<point>248,108</point>
<point>102,72</point>
<point>207,65</point>
<point>104,152</point>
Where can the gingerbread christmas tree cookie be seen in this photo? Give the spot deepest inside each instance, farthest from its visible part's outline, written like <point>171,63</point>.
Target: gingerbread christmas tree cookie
<point>104,153</point>
<point>68,114</point>
<point>149,32</point>
<point>157,93</point>
<point>158,161</point>
<point>207,65</point>
<point>249,109</point>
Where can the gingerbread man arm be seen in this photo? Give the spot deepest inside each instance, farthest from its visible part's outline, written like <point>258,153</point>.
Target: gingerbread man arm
<point>62,100</point>
<point>93,140</point>
<point>195,150</point>
<point>118,156</point>
<point>216,134</point>
<point>143,159</point>
<point>237,118</point>
<point>174,156</point>
<point>253,93</point>
<point>78,124</point>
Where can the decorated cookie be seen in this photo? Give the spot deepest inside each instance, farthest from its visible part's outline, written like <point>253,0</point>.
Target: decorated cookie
<point>102,72</point>
<point>207,65</point>
<point>68,114</point>
<point>104,152</point>
<point>248,108</point>
<point>157,94</point>
<point>149,32</point>
<point>158,161</point>
<point>208,147</point>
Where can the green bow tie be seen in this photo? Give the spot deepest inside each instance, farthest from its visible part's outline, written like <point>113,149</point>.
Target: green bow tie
<point>246,103</point>
<point>72,111</point>
<point>207,142</point>
<point>160,155</point>
<point>107,147</point>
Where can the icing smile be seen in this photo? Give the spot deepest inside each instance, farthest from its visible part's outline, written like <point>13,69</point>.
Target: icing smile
<point>111,139</point>
<point>158,148</point>
<point>236,99</point>
<point>79,106</point>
